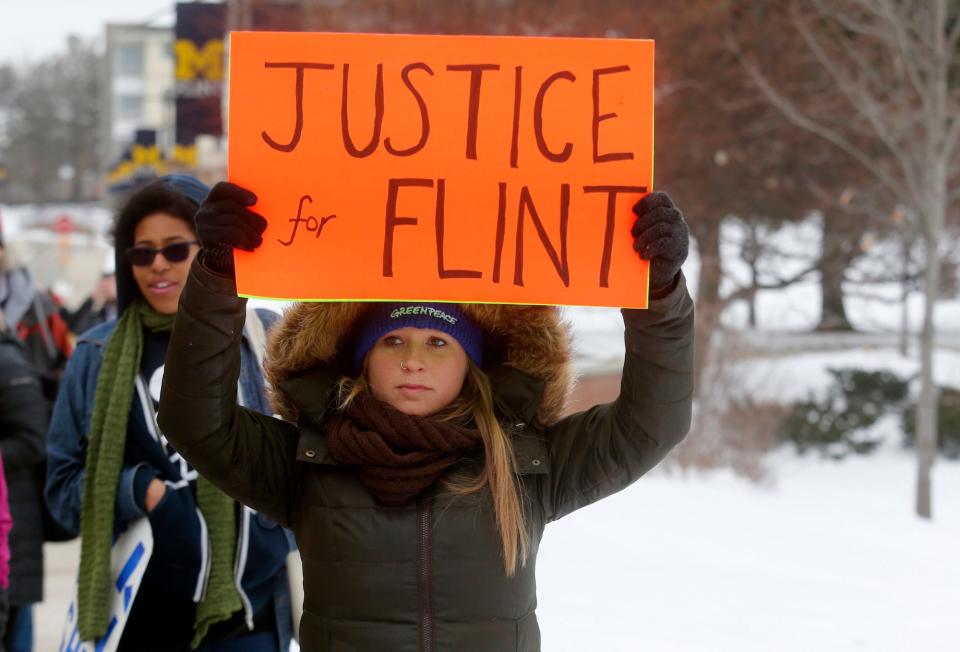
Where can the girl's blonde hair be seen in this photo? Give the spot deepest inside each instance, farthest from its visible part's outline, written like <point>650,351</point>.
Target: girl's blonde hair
<point>475,406</point>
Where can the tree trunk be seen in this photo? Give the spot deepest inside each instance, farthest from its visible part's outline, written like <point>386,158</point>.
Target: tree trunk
<point>76,183</point>
<point>752,255</point>
<point>934,206</point>
<point>837,253</point>
<point>926,440</point>
<point>935,210</point>
<point>708,305</point>
<point>905,296</point>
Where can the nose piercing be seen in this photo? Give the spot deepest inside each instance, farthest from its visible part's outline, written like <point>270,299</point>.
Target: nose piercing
<point>403,365</point>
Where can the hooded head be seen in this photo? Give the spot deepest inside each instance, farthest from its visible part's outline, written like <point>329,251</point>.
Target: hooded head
<point>448,318</point>
<point>531,339</point>
<point>177,195</point>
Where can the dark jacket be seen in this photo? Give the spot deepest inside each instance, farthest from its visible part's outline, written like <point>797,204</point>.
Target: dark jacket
<point>23,422</point>
<point>428,575</point>
<point>89,315</point>
<point>177,570</point>
<point>38,321</point>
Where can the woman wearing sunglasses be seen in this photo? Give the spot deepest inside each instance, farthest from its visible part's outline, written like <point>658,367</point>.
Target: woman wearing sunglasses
<point>216,580</point>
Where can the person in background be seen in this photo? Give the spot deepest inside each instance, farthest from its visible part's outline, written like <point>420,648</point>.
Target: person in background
<point>100,306</point>
<point>216,580</point>
<point>23,422</point>
<point>36,318</point>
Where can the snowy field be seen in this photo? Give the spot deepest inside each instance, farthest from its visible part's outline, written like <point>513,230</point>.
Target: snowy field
<point>829,557</point>
<point>825,556</point>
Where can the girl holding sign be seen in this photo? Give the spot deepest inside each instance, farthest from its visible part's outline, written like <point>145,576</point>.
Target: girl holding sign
<point>423,448</point>
<point>217,577</point>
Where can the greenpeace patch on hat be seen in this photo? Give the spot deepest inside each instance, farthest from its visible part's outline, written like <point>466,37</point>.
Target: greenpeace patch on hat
<point>427,311</point>
<point>445,317</point>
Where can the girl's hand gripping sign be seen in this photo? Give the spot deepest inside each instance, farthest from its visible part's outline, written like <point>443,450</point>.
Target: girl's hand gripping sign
<point>443,168</point>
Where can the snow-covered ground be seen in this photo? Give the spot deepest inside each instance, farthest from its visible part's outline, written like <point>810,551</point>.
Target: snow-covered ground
<point>829,557</point>
<point>825,556</point>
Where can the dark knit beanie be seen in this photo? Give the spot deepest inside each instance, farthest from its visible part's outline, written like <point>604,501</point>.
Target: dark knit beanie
<point>188,186</point>
<point>446,317</point>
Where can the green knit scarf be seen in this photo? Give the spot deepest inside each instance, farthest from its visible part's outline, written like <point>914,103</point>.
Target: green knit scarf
<point>108,433</point>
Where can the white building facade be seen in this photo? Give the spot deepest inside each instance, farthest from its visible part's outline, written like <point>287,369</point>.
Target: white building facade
<point>138,86</point>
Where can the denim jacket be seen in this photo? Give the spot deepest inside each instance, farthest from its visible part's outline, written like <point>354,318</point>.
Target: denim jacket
<point>180,545</point>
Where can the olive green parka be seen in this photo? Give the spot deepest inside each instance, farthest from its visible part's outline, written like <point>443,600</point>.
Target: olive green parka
<point>427,576</point>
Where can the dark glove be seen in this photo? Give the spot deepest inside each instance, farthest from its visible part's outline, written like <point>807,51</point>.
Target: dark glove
<point>225,222</point>
<point>662,237</point>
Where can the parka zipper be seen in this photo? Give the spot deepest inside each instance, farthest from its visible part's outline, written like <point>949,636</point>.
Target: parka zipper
<point>425,571</point>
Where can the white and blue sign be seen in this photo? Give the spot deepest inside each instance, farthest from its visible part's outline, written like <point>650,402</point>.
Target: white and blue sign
<point>128,562</point>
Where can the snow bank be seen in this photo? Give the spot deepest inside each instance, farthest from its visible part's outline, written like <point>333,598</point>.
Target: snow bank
<point>829,558</point>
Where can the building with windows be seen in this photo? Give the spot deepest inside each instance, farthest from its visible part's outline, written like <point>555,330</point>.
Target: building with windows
<point>138,88</point>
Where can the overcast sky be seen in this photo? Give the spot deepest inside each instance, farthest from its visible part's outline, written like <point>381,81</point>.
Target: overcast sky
<point>33,29</point>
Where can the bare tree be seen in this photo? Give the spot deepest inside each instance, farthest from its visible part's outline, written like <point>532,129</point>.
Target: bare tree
<point>80,114</point>
<point>50,112</point>
<point>33,133</point>
<point>895,63</point>
<point>724,151</point>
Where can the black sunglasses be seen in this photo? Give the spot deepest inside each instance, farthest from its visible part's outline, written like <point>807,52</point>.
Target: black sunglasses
<point>174,253</point>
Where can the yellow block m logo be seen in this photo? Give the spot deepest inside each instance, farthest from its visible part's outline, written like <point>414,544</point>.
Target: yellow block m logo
<point>193,63</point>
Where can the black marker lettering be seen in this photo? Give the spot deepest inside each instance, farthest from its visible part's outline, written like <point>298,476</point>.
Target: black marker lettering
<point>424,116</point>
<point>501,228</point>
<point>476,78</point>
<point>393,220</point>
<point>608,231</point>
<point>298,102</point>
<point>310,222</point>
<point>371,147</point>
<point>598,118</point>
<point>515,137</point>
<point>538,118</point>
<point>442,271</point>
<point>561,264</point>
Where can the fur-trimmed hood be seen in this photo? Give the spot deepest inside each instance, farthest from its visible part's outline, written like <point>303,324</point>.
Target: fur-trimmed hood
<point>531,339</point>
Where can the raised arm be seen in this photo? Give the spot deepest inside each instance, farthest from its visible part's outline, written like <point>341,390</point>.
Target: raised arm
<point>249,455</point>
<point>602,450</point>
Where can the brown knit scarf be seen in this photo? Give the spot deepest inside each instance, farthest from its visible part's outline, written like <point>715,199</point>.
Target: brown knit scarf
<point>399,455</point>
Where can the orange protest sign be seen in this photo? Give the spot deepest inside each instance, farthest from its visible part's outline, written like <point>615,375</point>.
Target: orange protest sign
<point>444,168</point>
